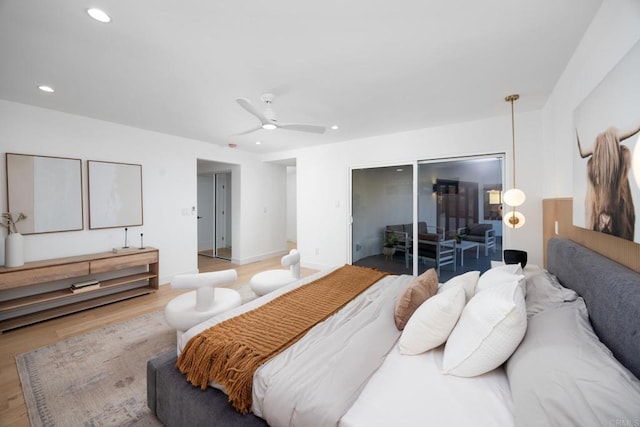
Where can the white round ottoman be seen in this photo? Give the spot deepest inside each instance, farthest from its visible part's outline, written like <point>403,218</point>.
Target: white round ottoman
<point>270,280</point>
<point>181,312</point>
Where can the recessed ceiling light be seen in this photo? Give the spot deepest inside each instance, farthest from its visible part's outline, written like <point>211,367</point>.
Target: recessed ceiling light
<point>335,127</point>
<point>46,88</point>
<point>258,142</point>
<point>98,15</point>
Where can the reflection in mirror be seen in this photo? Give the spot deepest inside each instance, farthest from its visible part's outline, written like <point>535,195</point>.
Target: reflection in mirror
<point>48,190</point>
<point>115,194</point>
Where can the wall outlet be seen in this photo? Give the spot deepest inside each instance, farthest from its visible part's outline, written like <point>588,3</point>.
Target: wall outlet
<point>317,251</point>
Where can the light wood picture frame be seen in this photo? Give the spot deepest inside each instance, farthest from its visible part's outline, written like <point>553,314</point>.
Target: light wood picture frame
<point>48,190</point>
<point>115,194</point>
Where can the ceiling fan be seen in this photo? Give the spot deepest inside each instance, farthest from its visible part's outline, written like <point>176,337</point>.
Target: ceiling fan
<point>268,118</point>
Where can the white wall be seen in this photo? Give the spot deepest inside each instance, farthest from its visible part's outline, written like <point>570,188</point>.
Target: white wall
<point>262,213</point>
<point>615,29</point>
<point>169,187</point>
<point>292,204</point>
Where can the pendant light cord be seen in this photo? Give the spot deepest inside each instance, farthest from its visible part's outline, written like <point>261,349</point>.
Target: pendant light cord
<point>511,98</point>
<point>513,140</point>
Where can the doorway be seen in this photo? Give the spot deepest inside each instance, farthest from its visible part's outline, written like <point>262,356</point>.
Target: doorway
<point>215,213</point>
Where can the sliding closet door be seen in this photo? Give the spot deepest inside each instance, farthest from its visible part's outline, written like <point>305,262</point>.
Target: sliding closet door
<point>443,196</point>
<point>454,194</point>
<point>382,197</point>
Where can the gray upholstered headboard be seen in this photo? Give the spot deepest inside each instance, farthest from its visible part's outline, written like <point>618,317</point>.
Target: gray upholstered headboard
<point>610,291</point>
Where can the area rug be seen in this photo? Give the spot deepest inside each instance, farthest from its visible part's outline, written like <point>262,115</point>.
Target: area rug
<point>97,378</point>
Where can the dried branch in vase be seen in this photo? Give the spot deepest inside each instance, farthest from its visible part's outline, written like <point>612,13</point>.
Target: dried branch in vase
<point>10,222</point>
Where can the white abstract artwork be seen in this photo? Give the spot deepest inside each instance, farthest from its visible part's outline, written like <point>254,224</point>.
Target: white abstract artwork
<point>115,194</point>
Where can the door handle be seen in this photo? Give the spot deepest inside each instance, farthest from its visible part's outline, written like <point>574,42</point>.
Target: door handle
<point>199,217</point>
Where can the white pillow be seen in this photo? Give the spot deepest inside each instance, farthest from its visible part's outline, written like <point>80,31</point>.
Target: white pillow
<point>432,322</point>
<point>489,330</point>
<point>466,281</point>
<point>510,268</point>
<point>502,274</point>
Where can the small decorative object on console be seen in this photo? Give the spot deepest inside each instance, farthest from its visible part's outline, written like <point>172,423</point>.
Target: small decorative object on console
<point>14,242</point>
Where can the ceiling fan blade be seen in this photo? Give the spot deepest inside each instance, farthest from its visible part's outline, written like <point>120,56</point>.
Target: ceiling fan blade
<point>249,131</point>
<point>247,105</point>
<point>303,128</point>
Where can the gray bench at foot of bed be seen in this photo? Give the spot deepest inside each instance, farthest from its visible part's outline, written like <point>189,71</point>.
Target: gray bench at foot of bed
<point>177,403</point>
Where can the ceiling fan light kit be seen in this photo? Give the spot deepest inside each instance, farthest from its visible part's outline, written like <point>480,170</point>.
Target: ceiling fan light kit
<point>99,15</point>
<point>268,119</point>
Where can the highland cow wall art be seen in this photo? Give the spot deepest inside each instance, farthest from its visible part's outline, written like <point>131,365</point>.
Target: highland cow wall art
<point>606,167</point>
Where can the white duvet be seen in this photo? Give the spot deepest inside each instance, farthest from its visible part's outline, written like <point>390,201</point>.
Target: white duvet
<point>410,391</point>
<point>391,390</point>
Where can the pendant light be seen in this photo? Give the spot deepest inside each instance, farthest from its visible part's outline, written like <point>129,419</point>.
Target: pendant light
<point>513,197</point>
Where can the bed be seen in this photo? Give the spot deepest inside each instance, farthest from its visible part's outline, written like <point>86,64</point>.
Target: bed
<point>538,383</point>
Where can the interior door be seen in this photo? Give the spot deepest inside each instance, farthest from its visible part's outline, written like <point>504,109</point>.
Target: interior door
<point>205,215</point>
<point>223,215</point>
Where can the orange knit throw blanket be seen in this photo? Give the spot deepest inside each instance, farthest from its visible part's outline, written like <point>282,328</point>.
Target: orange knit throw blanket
<point>230,352</point>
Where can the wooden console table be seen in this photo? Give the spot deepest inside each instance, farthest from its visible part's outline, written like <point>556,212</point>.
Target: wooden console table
<point>43,288</point>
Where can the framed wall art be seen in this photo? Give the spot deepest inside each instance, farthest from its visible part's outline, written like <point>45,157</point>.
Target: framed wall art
<point>115,194</point>
<point>47,190</point>
<point>606,166</point>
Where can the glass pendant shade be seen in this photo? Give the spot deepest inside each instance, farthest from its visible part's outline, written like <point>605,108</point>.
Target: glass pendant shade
<point>514,197</point>
<point>514,219</point>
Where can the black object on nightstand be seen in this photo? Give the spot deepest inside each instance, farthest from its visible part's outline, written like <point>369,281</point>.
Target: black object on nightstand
<point>514,256</point>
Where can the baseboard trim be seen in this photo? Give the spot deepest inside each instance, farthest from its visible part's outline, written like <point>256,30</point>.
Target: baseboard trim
<point>260,257</point>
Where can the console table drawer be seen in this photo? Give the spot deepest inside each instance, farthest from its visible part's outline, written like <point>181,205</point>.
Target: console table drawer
<point>126,261</point>
<point>20,278</point>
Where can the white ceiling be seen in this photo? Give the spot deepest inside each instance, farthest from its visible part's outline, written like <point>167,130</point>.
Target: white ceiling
<point>372,67</point>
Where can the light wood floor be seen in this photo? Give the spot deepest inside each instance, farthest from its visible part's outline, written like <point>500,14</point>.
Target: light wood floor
<point>13,411</point>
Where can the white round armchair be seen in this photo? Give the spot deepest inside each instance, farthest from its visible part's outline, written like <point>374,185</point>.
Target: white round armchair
<point>270,280</point>
<point>208,300</point>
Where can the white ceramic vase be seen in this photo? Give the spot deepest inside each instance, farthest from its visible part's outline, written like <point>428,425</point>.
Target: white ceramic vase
<point>388,252</point>
<point>14,250</point>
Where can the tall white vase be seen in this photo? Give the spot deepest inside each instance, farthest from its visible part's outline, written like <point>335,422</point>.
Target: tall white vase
<point>14,250</point>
